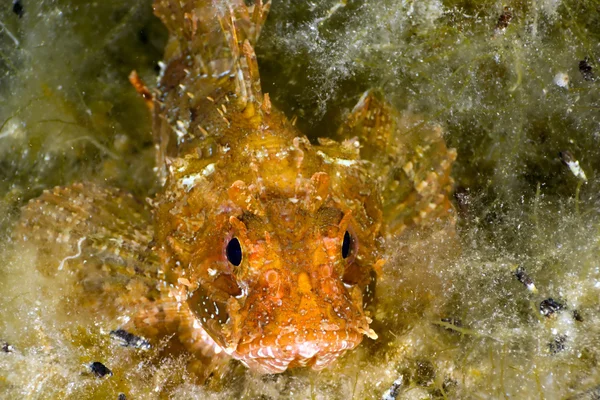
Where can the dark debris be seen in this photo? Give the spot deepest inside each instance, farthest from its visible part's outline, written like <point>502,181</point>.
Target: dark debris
<point>587,71</point>
<point>424,373</point>
<point>558,344</point>
<point>462,198</point>
<point>7,348</point>
<point>566,157</point>
<point>127,339</point>
<point>504,20</point>
<point>122,396</point>
<point>549,307</point>
<point>590,394</point>
<point>100,370</point>
<point>525,279</point>
<point>570,161</point>
<point>394,390</point>
<point>18,8</point>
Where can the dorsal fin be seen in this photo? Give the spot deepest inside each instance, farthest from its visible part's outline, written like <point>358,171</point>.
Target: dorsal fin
<point>210,79</point>
<point>220,37</point>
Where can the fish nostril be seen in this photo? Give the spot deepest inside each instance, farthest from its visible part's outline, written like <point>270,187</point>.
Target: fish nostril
<point>275,288</point>
<point>272,277</point>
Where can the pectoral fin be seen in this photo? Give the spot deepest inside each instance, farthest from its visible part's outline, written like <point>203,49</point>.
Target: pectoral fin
<point>101,234</point>
<point>410,156</point>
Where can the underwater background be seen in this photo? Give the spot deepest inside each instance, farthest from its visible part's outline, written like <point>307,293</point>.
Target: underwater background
<point>513,312</point>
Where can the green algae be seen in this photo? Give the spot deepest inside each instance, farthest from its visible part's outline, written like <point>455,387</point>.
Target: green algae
<point>453,326</point>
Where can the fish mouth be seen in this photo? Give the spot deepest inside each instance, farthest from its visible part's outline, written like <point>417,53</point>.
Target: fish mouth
<point>303,348</point>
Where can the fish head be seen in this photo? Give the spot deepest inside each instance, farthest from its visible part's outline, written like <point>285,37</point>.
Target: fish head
<point>285,271</point>
<point>305,287</point>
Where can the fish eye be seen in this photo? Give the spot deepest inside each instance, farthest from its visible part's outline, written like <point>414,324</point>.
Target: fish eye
<point>234,252</point>
<point>346,245</point>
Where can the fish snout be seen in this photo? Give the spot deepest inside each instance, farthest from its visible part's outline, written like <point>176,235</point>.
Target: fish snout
<point>299,319</point>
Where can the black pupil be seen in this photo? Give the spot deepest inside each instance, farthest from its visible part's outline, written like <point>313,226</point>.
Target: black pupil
<point>234,252</point>
<point>346,245</point>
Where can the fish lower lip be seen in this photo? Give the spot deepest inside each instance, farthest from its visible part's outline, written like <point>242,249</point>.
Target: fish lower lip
<point>317,349</point>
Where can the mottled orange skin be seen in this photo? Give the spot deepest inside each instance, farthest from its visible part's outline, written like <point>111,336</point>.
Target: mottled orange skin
<point>289,209</point>
<point>233,166</point>
<point>241,169</point>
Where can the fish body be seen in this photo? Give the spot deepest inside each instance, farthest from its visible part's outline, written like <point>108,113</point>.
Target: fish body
<point>262,245</point>
<point>237,172</point>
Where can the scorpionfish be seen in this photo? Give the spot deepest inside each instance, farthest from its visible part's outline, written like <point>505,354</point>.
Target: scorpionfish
<point>261,245</point>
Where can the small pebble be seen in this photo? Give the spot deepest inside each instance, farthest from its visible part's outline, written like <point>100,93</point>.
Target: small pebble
<point>100,370</point>
<point>558,344</point>
<point>522,276</point>
<point>550,306</point>
<point>122,396</point>
<point>394,390</point>
<point>569,160</point>
<point>7,348</point>
<point>127,339</point>
<point>18,8</point>
<point>562,80</point>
